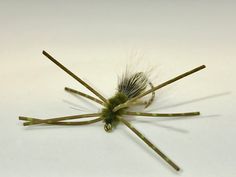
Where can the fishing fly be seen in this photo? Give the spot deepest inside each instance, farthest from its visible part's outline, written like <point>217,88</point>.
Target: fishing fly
<point>130,92</point>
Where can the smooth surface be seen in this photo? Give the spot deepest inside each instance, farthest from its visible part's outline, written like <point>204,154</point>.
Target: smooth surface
<point>96,39</point>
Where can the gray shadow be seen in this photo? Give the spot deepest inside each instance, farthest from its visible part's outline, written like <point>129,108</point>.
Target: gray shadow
<point>192,101</point>
<point>153,122</point>
<point>150,121</point>
<point>179,130</point>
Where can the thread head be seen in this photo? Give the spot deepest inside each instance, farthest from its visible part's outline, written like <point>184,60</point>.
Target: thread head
<point>108,127</point>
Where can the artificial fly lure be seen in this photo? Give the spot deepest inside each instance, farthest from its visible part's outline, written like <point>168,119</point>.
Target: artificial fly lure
<point>131,88</point>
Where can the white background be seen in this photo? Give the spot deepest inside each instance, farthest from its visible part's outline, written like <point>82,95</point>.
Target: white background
<point>96,39</point>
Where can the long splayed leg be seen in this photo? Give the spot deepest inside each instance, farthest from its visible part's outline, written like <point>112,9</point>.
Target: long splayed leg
<point>129,102</point>
<point>78,123</point>
<point>70,90</point>
<point>67,123</point>
<point>161,114</point>
<point>33,121</point>
<point>151,145</point>
<point>74,76</point>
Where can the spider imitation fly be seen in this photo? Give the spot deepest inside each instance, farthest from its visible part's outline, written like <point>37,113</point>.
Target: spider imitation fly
<point>131,88</point>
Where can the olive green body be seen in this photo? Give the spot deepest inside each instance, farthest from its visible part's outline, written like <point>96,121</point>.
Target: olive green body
<point>110,117</point>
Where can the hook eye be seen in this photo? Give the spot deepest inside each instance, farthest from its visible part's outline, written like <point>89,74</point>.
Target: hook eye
<point>107,127</point>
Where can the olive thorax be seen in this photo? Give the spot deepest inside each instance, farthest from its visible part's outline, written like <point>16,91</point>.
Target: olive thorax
<point>110,117</point>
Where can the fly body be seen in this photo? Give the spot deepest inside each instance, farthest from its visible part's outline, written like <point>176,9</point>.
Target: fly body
<point>130,91</point>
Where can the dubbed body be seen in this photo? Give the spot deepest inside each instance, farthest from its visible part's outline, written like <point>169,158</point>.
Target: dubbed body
<point>111,118</point>
<point>130,85</point>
